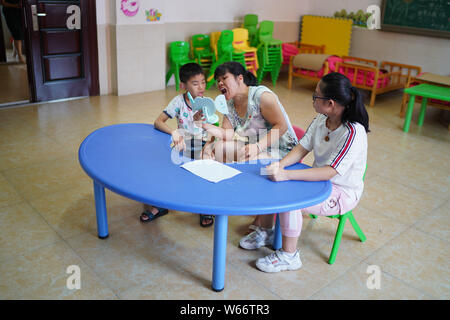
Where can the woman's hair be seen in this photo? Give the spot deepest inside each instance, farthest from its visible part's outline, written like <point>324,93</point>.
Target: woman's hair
<point>235,68</point>
<point>337,87</point>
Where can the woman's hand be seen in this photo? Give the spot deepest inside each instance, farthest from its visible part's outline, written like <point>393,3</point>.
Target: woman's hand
<point>178,141</point>
<point>276,172</point>
<point>251,151</point>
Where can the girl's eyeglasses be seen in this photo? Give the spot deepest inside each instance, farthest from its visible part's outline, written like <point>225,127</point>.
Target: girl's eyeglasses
<point>317,97</point>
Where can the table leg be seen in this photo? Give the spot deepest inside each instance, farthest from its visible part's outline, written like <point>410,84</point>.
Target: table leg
<point>100,209</point>
<point>277,239</point>
<point>409,112</point>
<point>220,252</point>
<point>423,108</point>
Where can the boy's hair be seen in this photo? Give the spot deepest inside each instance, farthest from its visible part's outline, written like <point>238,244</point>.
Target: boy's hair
<point>190,70</point>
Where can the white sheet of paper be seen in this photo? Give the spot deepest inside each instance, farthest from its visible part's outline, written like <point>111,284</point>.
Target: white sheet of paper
<point>210,170</point>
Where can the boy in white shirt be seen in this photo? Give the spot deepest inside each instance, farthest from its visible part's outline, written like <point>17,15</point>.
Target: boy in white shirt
<point>189,135</point>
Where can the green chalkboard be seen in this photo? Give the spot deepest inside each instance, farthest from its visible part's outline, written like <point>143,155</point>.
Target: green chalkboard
<point>423,17</point>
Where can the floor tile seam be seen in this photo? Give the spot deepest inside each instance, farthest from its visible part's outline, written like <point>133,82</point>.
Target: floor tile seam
<point>441,197</point>
<point>22,254</point>
<point>398,220</point>
<point>25,197</point>
<point>336,278</point>
<point>415,226</point>
<point>383,247</point>
<point>404,282</point>
<point>46,161</point>
<point>365,258</point>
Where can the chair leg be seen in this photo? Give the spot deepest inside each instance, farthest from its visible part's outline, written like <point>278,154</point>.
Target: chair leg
<point>177,78</point>
<point>337,238</point>
<point>355,225</point>
<point>168,75</point>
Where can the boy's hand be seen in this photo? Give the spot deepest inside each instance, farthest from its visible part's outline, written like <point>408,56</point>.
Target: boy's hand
<point>276,172</point>
<point>178,141</point>
<point>198,115</point>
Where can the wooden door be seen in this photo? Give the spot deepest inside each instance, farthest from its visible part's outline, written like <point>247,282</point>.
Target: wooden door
<point>62,46</point>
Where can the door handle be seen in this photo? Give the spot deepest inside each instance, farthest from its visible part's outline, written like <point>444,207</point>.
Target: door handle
<point>35,16</point>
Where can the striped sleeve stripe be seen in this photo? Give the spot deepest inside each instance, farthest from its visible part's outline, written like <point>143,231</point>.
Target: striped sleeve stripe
<point>348,143</point>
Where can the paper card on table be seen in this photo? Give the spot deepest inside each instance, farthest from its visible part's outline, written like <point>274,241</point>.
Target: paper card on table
<point>210,170</point>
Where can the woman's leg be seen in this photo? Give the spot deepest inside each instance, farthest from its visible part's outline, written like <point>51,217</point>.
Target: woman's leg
<point>18,46</point>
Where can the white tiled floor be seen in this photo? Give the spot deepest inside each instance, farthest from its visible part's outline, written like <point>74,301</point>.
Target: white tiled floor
<point>47,215</point>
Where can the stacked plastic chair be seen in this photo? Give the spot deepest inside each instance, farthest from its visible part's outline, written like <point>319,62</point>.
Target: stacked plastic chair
<point>178,56</point>
<point>201,50</point>
<point>251,24</point>
<point>214,39</point>
<point>225,53</point>
<point>270,54</point>
<point>240,42</point>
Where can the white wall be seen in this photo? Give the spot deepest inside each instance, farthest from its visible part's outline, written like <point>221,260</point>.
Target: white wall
<point>234,10</point>
<point>134,49</point>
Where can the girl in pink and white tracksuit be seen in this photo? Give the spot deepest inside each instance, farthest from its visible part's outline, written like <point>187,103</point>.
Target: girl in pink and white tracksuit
<point>338,138</point>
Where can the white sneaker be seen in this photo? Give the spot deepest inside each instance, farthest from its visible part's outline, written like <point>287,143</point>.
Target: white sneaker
<point>279,261</point>
<point>257,239</point>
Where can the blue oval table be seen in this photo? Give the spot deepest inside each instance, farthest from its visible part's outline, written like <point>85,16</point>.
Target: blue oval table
<point>128,158</point>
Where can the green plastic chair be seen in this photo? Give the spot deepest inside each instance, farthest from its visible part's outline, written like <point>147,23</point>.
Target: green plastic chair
<point>178,56</point>
<point>251,24</point>
<point>265,34</point>
<point>225,53</point>
<point>270,60</point>
<point>201,50</point>
<point>340,229</point>
<point>270,53</point>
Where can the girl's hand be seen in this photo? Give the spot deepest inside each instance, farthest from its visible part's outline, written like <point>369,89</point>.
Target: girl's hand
<point>178,141</point>
<point>251,151</point>
<point>276,172</point>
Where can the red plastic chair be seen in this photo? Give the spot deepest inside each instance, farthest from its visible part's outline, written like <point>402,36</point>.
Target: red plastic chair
<point>299,132</point>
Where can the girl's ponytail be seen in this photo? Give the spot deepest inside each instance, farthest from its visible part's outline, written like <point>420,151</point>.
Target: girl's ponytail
<point>355,111</point>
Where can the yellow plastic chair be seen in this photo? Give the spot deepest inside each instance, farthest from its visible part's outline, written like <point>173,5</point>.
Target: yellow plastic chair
<point>214,36</point>
<point>225,52</point>
<point>240,42</point>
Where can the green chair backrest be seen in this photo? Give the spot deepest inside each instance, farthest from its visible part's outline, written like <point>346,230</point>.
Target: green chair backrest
<point>250,20</point>
<point>265,32</point>
<point>225,42</point>
<point>201,41</point>
<point>179,51</point>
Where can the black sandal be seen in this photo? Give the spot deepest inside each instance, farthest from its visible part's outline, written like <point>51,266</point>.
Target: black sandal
<point>204,218</point>
<point>150,216</point>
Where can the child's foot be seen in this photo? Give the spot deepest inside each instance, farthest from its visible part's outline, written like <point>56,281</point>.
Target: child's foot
<point>152,214</point>
<point>280,261</point>
<point>257,239</point>
<point>206,220</point>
